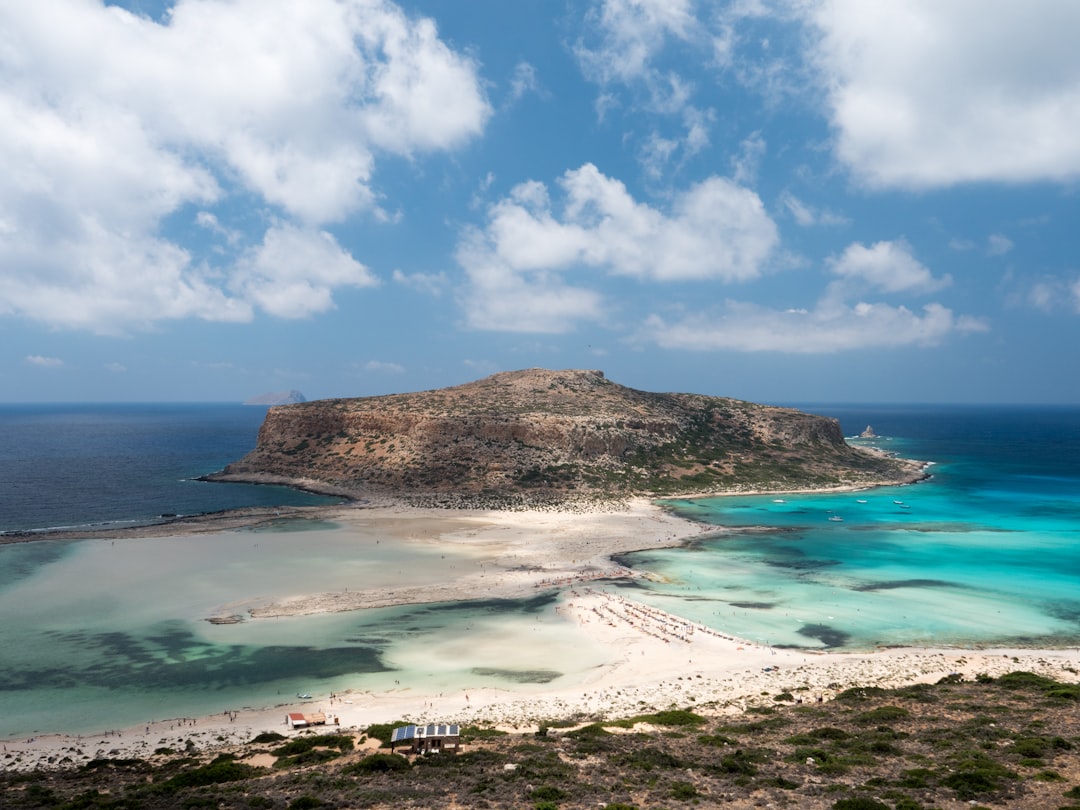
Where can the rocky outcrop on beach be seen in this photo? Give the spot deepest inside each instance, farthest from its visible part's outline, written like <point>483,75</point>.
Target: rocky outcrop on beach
<point>539,434</point>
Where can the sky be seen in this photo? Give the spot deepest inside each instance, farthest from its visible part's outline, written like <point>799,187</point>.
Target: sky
<point>780,201</point>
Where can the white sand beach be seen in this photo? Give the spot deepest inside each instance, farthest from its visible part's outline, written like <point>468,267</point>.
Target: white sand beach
<point>645,659</point>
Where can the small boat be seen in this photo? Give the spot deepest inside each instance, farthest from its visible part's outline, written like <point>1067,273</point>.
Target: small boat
<point>899,503</point>
<point>303,695</point>
<point>779,500</point>
<point>904,506</point>
<point>860,500</point>
<point>836,518</point>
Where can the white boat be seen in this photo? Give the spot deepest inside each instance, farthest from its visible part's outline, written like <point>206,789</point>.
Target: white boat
<point>836,518</point>
<point>303,696</point>
<point>779,500</point>
<point>860,500</point>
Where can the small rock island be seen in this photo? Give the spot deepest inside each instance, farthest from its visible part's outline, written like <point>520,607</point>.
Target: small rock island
<point>290,397</point>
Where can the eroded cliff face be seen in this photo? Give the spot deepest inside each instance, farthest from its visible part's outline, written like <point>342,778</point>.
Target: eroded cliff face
<point>557,434</point>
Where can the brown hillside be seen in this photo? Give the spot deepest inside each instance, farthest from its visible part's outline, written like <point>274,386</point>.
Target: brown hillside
<point>551,435</point>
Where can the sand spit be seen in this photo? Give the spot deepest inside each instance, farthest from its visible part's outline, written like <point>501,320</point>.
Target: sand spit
<point>654,660</point>
<point>657,661</point>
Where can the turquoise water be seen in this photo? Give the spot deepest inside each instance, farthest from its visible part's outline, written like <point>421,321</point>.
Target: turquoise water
<point>102,635</point>
<point>986,552</point>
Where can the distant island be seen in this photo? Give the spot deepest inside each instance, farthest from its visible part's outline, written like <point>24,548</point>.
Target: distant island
<point>290,397</point>
<point>551,436</point>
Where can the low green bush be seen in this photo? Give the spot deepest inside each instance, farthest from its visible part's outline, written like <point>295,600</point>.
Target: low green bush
<point>378,763</point>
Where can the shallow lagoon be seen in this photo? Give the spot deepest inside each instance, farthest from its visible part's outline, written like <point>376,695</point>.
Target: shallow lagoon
<point>105,634</point>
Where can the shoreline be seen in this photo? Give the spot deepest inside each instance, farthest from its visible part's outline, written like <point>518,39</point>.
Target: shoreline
<point>652,660</point>
<point>721,676</point>
<point>255,517</point>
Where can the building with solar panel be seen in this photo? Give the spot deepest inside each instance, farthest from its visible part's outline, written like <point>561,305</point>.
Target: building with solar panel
<point>433,738</point>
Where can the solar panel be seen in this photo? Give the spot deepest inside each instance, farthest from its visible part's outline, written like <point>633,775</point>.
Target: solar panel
<point>402,733</point>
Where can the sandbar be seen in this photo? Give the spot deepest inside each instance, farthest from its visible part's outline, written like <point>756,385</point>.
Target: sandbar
<point>652,660</point>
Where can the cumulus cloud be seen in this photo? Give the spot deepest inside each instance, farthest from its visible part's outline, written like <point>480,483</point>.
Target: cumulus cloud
<point>826,329</point>
<point>115,122</point>
<point>924,94</point>
<point>518,265</point>
<point>839,321</point>
<point>293,273</point>
<point>886,266</point>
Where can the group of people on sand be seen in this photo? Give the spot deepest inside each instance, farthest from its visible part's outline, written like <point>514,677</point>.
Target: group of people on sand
<point>616,573</point>
<point>652,621</point>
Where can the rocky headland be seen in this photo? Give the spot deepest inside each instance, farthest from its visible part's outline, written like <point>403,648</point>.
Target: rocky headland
<point>536,436</point>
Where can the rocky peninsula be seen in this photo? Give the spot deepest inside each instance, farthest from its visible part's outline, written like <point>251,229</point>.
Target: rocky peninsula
<point>536,436</point>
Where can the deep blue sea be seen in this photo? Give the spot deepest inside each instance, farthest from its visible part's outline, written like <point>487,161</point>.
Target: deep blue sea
<point>104,634</point>
<point>90,465</point>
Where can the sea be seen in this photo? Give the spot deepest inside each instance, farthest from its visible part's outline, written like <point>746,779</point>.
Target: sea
<point>106,633</point>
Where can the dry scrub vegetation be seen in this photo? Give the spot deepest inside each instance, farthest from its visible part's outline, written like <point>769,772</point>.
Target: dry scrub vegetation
<point>1008,742</point>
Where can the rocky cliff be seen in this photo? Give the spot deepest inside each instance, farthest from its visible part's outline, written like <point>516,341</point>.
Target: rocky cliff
<point>551,435</point>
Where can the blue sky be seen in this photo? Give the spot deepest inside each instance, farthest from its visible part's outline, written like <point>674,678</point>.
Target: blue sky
<point>775,200</point>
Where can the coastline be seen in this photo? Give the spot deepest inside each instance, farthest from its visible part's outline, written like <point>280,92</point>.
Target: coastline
<point>652,660</point>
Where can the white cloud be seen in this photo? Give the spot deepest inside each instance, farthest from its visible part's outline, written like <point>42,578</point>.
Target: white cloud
<point>657,153</point>
<point>502,298</point>
<point>624,44</point>
<point>114,122</point>
<point>886,266</point>
<point>826,329</point>
<point>204,219</point>
<point>631,34</point>
<point>925,94</point>
<point>839,321</point>
<point>1052,293</point>
<point>43,362</point>
<point>715,231</point>
<point>116,368</point>
<point>524,81</point>
<point>294,272</point>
